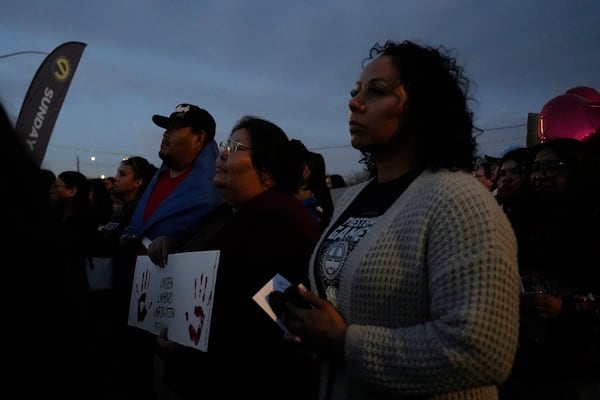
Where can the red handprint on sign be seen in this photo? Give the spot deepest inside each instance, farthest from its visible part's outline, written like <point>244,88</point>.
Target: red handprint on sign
<point>142,310</point>
<point>203,293</point>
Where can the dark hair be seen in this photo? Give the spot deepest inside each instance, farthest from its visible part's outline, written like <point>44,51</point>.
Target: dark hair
<point>142,169</point>
<point>75,179</point>
<point>337,181</point>
<point>522,156</point>
<point>101,202</point>
<point>316,165</point>
<point>584,176</point>
<point>315,162</point>
<point>436,114</point>
<point>46,180</point>
<point>272,153</point>
<point>481,162</point>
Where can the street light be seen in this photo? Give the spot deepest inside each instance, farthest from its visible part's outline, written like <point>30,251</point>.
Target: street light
<point>93,158</point>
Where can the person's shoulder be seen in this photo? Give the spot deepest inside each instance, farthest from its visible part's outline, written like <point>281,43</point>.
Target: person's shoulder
<point>206,157</point>
<point>460,201</point>
<point>447,181</point>
<point>453,188</point>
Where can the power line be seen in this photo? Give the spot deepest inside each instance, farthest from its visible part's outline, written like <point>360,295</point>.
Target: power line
<point>342,146</point>
<point>23,52</point>
<point>106,152</point>
<point>499,128</point>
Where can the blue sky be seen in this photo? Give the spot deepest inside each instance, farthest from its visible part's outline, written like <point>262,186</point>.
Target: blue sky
<point>291,62</point>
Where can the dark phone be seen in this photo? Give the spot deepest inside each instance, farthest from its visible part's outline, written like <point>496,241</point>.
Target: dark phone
<point>277,302</point>
<point>292,294</point>
<point>278,299</point>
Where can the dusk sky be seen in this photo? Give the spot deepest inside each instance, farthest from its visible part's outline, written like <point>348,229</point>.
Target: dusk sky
<point>293,63</point>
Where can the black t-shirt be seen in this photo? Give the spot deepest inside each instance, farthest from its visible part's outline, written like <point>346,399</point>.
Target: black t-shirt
<point>345,233</point>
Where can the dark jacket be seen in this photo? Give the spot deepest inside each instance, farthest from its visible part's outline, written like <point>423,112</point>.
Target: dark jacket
<point>272,233</point>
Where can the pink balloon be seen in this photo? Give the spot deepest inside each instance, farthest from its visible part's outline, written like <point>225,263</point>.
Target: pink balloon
<point>588,93</point>
<point>575,114</point>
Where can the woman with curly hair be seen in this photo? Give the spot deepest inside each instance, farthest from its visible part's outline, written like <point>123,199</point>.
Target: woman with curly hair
<point>414,285</point>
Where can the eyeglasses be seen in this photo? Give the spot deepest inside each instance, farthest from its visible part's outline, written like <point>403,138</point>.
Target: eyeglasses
<point>511,172</point>
<point>231,146</point>
<point>549,168</point>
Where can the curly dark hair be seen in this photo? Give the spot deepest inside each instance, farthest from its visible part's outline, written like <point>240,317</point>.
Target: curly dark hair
<point>437,111</point>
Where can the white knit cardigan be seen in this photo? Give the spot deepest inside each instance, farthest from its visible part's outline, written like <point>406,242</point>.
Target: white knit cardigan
<point>430,294</point>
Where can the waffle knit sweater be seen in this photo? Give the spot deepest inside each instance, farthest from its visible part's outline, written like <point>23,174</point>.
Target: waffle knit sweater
<point>430,296</point>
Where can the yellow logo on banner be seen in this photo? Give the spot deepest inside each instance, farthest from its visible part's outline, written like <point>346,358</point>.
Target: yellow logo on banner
<point>62,68</point>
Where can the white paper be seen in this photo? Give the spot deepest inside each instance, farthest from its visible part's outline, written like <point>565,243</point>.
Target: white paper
<point>178,296</point>
<point>261,297</point>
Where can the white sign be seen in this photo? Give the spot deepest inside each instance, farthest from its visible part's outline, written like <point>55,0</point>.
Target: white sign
<point>177,297</point>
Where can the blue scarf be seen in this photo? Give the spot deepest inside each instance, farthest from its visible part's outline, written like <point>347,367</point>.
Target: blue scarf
<point>189,202</point>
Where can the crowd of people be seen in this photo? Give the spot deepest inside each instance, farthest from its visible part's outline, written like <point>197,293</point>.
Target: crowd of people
<point>441,275</point>
<point>551,195</point>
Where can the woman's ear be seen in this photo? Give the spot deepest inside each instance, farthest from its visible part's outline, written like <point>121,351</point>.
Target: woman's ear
<point>266,180</point>
<point>402,95</point>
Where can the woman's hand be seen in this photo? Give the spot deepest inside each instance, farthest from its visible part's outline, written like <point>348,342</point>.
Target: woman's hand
<point>320,326</point>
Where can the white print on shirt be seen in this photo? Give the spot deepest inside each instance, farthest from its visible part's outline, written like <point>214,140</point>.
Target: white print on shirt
<point>335,249</point>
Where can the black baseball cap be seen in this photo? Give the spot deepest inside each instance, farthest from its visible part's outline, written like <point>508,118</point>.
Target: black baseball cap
<point>188,115</point>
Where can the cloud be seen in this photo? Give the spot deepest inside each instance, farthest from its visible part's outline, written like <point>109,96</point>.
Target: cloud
<point>293,63</point>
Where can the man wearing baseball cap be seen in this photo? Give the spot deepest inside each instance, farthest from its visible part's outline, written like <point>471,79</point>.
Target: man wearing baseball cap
<point>182,191</point>
<point>179,196</point>
<point>188,115</point>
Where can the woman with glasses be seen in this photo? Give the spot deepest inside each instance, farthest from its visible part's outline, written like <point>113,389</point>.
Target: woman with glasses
<point>512,185</point>
<point>513,173</point>
<point>73,236</point>
<point>559,259</point>
<point>482,170</point>
<point>269,232</point>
